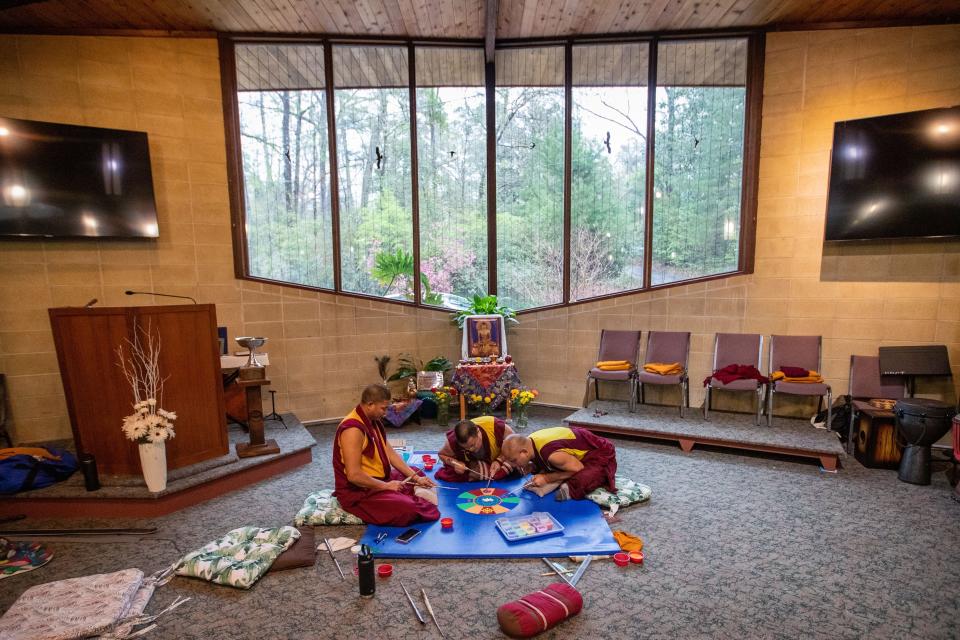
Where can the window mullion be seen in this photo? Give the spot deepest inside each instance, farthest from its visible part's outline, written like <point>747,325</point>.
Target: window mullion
<point>334,169</point>
<point>567,163</point>
<point>414,173</point>
<point>649,185</point>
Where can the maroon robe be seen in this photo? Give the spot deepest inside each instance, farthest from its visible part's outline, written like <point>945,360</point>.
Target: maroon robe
<point>599,463</point>
<point>373,506</point>
<point>448,474</point>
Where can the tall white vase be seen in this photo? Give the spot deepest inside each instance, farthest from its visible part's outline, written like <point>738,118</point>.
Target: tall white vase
<point>153,461</point>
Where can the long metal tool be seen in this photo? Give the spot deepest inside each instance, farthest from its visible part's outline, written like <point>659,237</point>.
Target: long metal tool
<point>583,567</point>
<point>79,532</point>
<point>560,570</point>
<point>412,603</point>
<point>334,558</point>
<point>432,614</point>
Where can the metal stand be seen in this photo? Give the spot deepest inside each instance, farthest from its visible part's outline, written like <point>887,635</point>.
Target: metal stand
<point>273,415</point>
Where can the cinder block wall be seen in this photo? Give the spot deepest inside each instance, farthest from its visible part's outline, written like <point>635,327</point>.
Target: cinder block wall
<point>322,346</point>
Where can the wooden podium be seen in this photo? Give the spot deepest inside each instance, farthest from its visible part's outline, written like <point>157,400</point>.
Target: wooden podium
<point>99,397</point>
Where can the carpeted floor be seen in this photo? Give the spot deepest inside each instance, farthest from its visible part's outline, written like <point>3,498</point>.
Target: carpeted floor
<point>742,546</point>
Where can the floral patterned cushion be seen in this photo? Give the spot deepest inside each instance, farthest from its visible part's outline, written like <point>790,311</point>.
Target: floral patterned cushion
<point>239,558</point>
<point>322,508</point>
<point>628,492</point>
<point>75,608</point>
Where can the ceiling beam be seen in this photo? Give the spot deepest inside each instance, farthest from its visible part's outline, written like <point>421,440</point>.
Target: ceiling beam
<point>490,34</point>
<point>10,4</point>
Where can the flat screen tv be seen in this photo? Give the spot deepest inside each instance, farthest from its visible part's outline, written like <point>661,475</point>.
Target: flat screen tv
<point>895,177</point>
<point>59,180</point>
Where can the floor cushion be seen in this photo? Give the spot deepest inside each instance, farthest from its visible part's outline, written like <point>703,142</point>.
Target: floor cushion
<point>239,558</point>
<point>628,492</point>
<point>302,553</point>
<point>77,607</point>
<point>322,508</point>
<point>18,557</point>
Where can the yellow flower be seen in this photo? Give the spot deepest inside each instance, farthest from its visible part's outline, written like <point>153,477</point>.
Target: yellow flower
<point>487,399</point>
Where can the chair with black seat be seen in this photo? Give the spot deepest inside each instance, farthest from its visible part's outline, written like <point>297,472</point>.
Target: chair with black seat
<point>803,352</point>
<point>735,349</point>
<point>667,347</point>
<point>866,384</point>
<point>616,345</point>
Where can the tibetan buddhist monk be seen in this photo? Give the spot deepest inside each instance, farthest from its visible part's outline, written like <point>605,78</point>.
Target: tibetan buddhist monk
<point>472,451</point>
<point>372,480</point>
<point>571,460</point>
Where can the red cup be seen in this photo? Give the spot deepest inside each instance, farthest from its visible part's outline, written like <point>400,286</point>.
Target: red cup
<point>385,570</point>
<point>636,557</point>
<point>621,559</point>
<point>446,523</point>
<point>428,466</point>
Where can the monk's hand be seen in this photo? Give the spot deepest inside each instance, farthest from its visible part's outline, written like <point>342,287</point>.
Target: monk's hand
<point>393,485</point>
<point>423,481</point>
<point>538,480</point>
<point>495,467</point>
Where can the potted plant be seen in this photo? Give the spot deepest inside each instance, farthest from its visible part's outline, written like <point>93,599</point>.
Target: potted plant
<point>520,400</point>
<point>482,306</point>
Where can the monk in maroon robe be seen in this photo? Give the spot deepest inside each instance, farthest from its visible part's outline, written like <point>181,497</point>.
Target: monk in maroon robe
<point>472,451</point>
<point>572,460</point>
<point>372,481</point>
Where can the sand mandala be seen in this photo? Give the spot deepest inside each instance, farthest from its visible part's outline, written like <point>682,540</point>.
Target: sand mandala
<point>487,501</point>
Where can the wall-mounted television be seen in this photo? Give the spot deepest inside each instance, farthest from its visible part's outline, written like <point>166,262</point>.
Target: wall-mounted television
<point>59,180</point>
<point>895,176</point>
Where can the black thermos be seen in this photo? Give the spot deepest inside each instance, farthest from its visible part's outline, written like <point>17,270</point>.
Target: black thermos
<point>88,464</point>
<point>365,570</point>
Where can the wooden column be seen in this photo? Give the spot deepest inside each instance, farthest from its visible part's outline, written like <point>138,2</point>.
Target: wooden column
<point>257,446</point>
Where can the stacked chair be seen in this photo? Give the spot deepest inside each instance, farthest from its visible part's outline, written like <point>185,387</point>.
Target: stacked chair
<point>616,346</point>
<point>802,352</point>
<point>665,348</point>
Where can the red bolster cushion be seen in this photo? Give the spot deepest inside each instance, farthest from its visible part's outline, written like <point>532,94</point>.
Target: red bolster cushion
<point>536,612</point>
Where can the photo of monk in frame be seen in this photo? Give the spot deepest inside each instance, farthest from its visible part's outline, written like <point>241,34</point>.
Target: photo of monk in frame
<point>484,337</point>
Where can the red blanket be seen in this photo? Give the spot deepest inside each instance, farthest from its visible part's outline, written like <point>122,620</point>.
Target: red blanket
<point>733,372</point>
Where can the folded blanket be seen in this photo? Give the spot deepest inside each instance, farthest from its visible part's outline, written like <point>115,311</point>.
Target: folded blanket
<point>663,368</point>
<point>614,365</point>
<point>36,452</point>
<point>794,372</point>
<point>812,377</point>
<point>732,372</point>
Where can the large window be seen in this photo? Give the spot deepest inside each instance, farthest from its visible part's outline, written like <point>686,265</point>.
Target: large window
<point>612,174</point>
<point>701,98</point>
<point>283,131</point>
<point>609,158</point>
<point>452,154</point>
<point>529,145</point>
<point>372,102</point>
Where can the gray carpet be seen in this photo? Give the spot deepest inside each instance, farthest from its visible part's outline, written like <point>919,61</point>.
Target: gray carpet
<point>744,546</point>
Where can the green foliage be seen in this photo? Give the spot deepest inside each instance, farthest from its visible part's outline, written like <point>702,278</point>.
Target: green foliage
<point>482,306</point>
<point>408,366</point>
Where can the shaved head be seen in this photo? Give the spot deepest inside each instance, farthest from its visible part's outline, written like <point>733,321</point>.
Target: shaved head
<point>517,449</point>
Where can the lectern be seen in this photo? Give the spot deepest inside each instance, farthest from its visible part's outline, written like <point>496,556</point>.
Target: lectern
<point>99,397</point>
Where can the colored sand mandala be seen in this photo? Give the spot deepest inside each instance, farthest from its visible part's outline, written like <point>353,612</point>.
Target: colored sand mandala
<point>487,501</point>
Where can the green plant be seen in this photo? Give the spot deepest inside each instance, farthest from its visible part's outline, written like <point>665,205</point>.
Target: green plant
<point>388,268</point>
<point>408,366</point>
<point>484,305</point>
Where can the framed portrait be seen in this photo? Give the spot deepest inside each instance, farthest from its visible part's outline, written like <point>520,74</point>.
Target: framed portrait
<point>483,337</point>
<point>427,380</point>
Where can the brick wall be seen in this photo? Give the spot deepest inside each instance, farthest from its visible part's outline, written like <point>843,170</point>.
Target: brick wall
<point>322,346</point>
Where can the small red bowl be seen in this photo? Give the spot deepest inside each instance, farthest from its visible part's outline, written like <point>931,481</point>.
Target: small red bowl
<point>636,557</point>
<point>446,523</point>
<point>428,466</point>
<point>385,570</point>
<point>621,559</point>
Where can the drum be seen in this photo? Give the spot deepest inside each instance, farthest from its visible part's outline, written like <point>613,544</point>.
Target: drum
<point>920,423</point>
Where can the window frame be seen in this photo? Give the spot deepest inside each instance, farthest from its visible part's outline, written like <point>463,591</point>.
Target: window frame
<point>755,44</point>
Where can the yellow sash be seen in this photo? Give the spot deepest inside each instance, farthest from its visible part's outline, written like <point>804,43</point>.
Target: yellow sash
<point>544,437</point>
<point>372,466</point>
<point>487,424</point>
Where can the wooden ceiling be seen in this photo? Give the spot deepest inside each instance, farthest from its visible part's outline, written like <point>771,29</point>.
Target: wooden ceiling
<point>455,18</point>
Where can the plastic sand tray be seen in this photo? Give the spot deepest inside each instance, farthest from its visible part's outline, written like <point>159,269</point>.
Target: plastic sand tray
<point>475,511</point>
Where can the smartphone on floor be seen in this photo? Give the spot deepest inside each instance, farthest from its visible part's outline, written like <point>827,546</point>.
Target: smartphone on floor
<point>407,536</point>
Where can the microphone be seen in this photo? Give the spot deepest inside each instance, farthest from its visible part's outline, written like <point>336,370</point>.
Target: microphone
<point>154,293</point>
<point>91,303</point>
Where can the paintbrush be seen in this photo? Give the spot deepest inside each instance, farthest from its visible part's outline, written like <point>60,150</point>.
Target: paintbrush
<point>412,604</point>
<point>432,614</point>
<point>334,558</point>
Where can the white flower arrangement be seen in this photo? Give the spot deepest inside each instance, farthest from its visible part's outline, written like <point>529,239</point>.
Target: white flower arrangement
<point>148,422</point>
